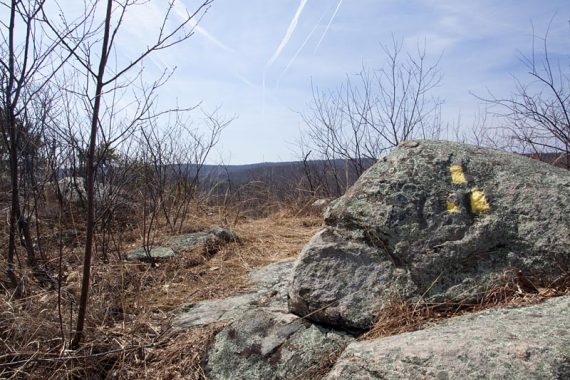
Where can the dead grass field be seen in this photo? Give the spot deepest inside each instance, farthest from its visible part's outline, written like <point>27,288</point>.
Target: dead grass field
<point>132,303</point>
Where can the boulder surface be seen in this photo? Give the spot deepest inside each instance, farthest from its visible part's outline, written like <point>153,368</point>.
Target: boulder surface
<point>530,342</point>
<point>149,254</point>
<point>268,290</point>
<point>262,340</point>
<point>265,344</point>
<point>439,220</point>
<point>212,237</point>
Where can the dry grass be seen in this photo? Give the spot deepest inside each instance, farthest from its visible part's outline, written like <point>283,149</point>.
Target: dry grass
<point>132,302</point>
<point>178,356</point>
<point>400,316</point>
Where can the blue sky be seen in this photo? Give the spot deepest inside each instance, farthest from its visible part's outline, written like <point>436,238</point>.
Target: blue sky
<point>256,58</point>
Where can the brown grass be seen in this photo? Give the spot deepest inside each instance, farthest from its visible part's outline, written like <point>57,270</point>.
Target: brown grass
<point>131,304</point>
<point>400,316</point>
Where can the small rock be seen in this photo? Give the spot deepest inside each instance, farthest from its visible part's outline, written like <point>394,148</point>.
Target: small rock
<point>214,236</point>
<point>155,253</point>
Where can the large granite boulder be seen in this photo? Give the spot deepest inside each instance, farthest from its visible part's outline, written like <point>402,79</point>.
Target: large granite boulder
<point>435,220</point>
<point>530,342</point>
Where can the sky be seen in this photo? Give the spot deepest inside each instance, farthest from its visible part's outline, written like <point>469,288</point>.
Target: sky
<point>257,59</point>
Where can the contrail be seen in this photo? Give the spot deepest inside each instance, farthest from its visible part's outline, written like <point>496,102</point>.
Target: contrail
<point>182,12</point>
<point>288,34</point>
<point>328,25</point>
<point>300,49</point>
<point>284,41</point>
<point>245,80</point>
<point>213,39</point>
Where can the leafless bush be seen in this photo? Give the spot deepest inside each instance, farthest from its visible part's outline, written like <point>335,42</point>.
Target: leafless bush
<point>536,116</point>
<point>372,112</point>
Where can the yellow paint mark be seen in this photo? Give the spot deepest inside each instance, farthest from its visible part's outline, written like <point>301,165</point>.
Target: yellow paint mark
<point>452,207</point>
<point>457,176</point>
<point>452,204</point>
<point>478,201</point>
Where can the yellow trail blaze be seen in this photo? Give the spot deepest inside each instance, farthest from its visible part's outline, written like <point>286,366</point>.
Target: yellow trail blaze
<point>457,176</point>
<point>478,201</point>
<point>452,207</point>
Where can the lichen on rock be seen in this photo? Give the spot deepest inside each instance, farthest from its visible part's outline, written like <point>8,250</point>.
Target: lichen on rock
<point>437,220</point>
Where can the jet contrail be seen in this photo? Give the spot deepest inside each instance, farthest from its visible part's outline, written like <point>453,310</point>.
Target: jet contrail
<point>288,34</point>
<point>245,80</point>
<point>328,25</point>
<point>284,41</point>
<point>213,39</point>
<point>182,12</point>
<point>299,50</point>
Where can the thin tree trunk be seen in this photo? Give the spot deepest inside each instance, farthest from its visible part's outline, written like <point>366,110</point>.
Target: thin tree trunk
<point>12,147</point>
<point>15,204</point>
<point>91,184</point>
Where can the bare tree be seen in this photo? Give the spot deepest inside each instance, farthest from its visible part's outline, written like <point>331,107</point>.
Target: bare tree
<point>104,77</point>
<point>29,60</point>
<point>177,153</point>
<point>479,132</point>
<point>536,115</point>
<point>375,110</point>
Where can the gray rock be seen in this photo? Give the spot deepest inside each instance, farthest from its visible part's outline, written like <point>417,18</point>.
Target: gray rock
<point>72,189</point>
<point>272,345</point>
<point>341,282</point>
<point>155,253</point>
<point>211,311</point>
<point>213,237</point>
<point>435,219</point>
<point>268,290</point>
<point>320,204</point>
<point>530,342</point>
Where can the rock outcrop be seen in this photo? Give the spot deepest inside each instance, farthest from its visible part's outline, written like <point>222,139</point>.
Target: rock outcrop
<point>530,342</point>
<point>262,340</point>
<point>272,345</point>
<point>437,220</point>
<point>268,290</point>
<point>431,222</point>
